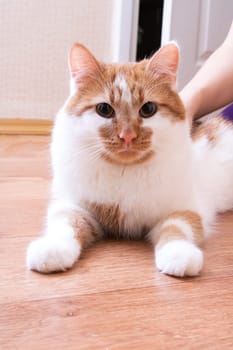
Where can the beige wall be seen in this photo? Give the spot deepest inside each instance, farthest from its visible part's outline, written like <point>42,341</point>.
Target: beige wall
<point>35,37</point>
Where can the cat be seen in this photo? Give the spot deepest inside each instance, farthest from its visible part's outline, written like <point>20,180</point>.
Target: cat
<point>124,164</point>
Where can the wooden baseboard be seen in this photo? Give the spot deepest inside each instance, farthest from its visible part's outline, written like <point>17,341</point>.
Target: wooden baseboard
<point>25,127</point>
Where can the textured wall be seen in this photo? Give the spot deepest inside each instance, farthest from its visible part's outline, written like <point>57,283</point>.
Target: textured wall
<point>35,37</point>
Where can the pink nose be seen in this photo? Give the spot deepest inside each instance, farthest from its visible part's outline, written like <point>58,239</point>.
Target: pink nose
<point>128,136</point>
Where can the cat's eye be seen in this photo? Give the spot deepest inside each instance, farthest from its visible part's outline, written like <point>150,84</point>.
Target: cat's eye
<point>105,110</point>
<point>148,110</point>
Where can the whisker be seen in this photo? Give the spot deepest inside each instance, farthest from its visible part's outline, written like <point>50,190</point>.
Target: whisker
<point>91,151</point>
<point>89,147</point>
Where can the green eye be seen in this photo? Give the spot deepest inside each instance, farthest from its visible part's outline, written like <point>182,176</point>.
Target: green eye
<point>105,110</point>
<point>148,109</point>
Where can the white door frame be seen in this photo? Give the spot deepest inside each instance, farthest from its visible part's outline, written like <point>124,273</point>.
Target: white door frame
<point>124,30</point>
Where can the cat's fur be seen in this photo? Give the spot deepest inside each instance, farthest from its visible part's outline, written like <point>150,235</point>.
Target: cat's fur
<point>131,176</point>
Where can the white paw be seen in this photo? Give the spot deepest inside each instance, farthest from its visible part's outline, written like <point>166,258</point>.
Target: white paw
<point>179,258</point>
<point>50,254</point>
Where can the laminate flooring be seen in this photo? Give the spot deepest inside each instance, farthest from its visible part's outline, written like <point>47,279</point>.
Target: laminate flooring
<point>113,298</point>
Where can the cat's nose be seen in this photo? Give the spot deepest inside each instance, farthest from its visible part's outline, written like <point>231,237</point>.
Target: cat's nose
<point>128,136</point>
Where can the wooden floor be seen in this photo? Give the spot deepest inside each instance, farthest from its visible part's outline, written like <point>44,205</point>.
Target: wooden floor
<point>114,298</point>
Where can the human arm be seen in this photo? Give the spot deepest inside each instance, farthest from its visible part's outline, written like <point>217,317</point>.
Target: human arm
<point>212,87</point>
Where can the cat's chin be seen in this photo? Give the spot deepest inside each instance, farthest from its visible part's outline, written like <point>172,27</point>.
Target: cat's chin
<point>127,157</point>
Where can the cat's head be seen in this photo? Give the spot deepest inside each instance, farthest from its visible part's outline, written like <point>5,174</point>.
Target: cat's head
<point>119,108</point>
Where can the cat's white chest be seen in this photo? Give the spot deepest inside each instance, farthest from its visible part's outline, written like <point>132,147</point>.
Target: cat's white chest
<point>130,189</point>
<point>142,193</point>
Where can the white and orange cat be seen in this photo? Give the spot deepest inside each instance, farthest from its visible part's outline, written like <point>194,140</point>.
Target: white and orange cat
<point>124,164</point>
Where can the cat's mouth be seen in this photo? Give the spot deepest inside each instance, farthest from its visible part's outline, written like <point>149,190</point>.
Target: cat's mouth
<point>127,156</point>
<point>127,153</point>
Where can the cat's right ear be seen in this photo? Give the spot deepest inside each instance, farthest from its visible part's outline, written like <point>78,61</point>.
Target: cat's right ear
<point>164,63</point>
<point>82,63</point>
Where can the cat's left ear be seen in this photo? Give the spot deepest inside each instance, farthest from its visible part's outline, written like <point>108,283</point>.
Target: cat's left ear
<point>164,63</point>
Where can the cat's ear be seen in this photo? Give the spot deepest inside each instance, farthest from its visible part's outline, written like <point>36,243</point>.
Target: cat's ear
<point>164,63</point>
<point>82,63</point>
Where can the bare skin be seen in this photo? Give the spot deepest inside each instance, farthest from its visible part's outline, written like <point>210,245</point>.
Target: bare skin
<point>212,87</point>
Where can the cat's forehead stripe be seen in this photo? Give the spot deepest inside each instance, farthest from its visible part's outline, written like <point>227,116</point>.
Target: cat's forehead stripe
<point>122,88</point>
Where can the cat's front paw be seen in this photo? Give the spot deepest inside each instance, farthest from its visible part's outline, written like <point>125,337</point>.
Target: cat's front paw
<point>50,254</point>
<point>179,258</point>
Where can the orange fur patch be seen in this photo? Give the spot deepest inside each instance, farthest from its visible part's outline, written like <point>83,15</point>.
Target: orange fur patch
<point>172,232</point>
<point>86,233</point>
<point>112,220</point>
<point>108,216</point>
<point>209,129</point>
